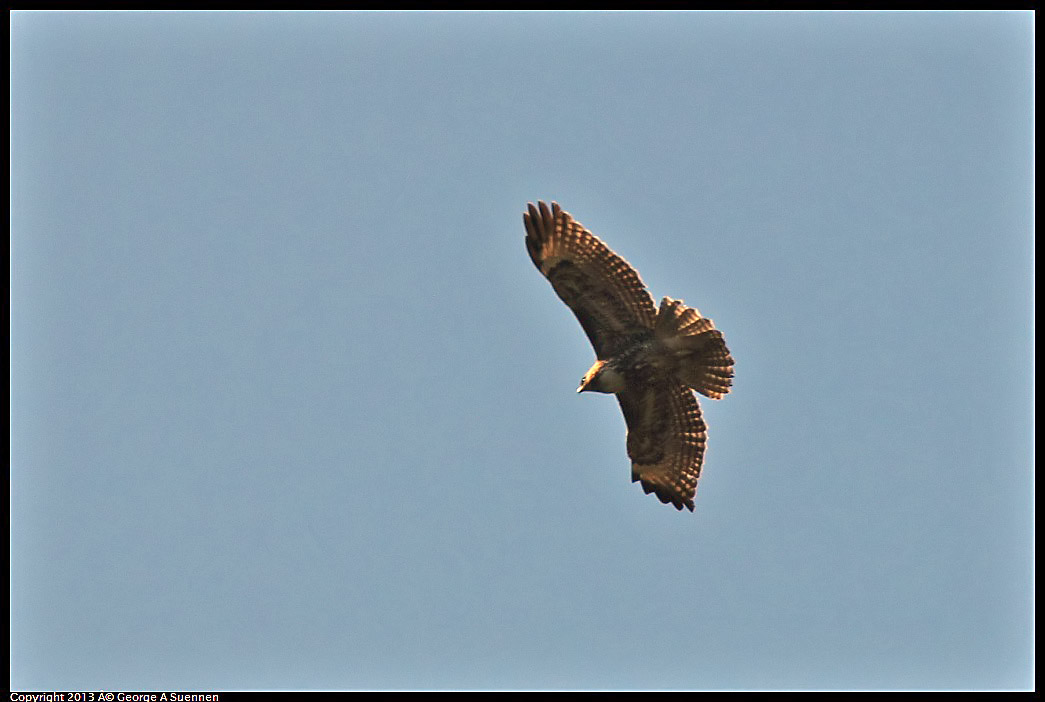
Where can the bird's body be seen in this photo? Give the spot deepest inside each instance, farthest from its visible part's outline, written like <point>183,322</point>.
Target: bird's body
<point>649,358</point>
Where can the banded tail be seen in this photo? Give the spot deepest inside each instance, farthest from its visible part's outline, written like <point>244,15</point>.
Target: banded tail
<point>704,361</point>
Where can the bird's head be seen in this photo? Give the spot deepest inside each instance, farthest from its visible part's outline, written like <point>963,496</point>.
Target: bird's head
<point>602,377</point>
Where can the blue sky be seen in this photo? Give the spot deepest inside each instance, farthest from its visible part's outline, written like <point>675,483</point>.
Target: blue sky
<point>292,409</point>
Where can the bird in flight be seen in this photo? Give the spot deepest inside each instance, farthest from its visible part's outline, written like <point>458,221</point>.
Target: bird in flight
<point>650,358</point>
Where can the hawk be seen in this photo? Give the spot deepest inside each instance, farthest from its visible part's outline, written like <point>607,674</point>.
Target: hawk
<point>650,358</point>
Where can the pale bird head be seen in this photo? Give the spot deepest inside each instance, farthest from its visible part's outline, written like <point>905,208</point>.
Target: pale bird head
<point>602,378</point>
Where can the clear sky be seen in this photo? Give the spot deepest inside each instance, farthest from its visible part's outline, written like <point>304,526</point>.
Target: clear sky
<point>291,407</point>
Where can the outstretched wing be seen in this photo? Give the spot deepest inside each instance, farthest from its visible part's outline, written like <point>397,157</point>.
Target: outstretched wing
<point>666,438</point>
<point>603,290</point>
